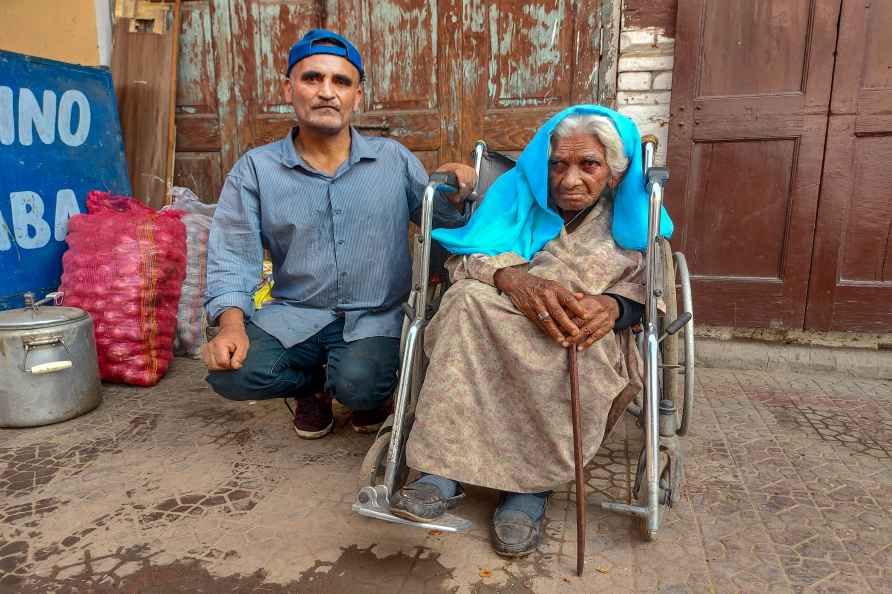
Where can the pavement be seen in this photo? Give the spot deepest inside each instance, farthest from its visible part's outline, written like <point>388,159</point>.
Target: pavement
<point>172,489</point>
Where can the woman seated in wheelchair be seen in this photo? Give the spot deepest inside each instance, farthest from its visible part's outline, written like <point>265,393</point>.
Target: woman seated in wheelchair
<point>537,270</point>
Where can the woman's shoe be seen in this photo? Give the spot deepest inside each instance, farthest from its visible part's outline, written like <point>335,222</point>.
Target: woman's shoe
<point>423,501</point>
<point>516,526</point>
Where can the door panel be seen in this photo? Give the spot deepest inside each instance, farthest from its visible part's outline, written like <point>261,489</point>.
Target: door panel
<point>404,58</point>
<point>263,32</point>
<point>746,150</point>
<point>740,34</point>
<point>409,48</point>
<point>757,217</point>
<point>851,285</point>
<point>523,62</point>
<point>206,144</point>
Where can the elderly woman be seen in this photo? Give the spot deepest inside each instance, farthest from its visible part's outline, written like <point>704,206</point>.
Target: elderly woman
<point>539,271</point>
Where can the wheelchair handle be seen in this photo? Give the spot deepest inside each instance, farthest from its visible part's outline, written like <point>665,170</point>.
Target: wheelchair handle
<point>677,325</point>
<point>446,181</point>
<point>650,144</point>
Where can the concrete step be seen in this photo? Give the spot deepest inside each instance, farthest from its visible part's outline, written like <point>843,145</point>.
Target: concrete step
<point>856,355</point>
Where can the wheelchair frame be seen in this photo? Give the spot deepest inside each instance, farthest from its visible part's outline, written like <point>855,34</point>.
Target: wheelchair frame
<point>661,462</point>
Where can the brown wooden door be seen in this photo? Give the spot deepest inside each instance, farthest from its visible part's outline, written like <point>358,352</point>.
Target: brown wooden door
<point>524,61</point>
<point>751,90</point>
<point>206,143</point>
<point>851,285</point>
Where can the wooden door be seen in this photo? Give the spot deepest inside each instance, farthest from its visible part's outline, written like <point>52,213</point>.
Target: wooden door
<point>524,61</point>
<point>751,90</point>
<point>206,143</point>
<point>410,51</point>
<point>851,285</point>
<point>440,73</point>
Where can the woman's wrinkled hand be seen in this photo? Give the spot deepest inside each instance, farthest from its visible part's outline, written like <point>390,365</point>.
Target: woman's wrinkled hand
<point>602,312</point>
<point>550,306</point>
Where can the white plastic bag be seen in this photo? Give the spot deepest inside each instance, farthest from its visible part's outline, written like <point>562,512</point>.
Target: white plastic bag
<point>191,317</point>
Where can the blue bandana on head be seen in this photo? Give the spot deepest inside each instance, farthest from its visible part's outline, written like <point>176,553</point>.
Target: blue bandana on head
<point>515,217</point>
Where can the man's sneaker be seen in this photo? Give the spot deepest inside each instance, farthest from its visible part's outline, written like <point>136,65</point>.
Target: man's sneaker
<point>313,418</point>
<point>369,421</point>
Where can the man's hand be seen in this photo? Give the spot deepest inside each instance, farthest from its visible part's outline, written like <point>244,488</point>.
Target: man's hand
<point>546,303</point>
<point>467,179</point>
<point>602,313</point>
<point>230,347</point>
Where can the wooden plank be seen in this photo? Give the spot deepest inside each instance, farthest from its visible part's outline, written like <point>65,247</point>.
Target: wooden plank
<point>143,16</point>
<point>611,23</point>
<point>206,101</point>
<point>584,54</point>
<point>449,81</point>
<point>170,153</point>
<point>141,64</point>
<point>473,82</point>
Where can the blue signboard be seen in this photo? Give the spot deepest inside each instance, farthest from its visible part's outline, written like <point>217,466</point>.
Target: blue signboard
<point>60,137</point>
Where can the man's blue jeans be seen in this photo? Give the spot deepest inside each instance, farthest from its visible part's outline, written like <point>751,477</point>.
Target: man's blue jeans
<point>361,374</point>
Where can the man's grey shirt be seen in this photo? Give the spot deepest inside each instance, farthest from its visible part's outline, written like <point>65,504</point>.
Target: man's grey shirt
<point>339,244</point>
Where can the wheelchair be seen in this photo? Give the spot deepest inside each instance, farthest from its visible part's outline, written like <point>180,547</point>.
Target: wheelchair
<point>665,340</point>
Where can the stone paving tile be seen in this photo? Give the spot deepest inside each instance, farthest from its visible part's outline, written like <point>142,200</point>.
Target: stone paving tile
<point>171,489</point>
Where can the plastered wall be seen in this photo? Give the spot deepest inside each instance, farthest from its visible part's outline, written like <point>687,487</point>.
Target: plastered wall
<point>63,30</point>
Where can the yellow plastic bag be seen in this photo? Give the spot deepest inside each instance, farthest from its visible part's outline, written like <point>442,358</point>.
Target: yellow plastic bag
<point>264,290</point>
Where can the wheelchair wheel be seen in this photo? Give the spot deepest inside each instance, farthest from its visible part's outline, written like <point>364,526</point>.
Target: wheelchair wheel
<point>687,339</point>
<point>371,471</point>
<point>670,348</point>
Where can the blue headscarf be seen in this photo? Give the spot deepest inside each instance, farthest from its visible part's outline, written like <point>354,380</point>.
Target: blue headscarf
<point>515,217</point>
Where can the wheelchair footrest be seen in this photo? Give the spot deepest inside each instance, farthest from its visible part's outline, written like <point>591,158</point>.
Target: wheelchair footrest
<point>625,508</point>
<point>445,523</point>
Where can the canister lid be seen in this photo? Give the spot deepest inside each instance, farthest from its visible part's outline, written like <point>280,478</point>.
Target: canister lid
<point>46,316</point>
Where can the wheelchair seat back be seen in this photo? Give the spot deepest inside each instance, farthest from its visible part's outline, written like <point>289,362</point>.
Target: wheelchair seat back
<point>492,165</point>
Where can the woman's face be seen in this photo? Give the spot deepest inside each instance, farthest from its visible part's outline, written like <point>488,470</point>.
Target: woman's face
<point>577,171</point>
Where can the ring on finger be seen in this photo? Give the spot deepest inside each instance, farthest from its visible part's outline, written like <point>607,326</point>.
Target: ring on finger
<point>544,315</point>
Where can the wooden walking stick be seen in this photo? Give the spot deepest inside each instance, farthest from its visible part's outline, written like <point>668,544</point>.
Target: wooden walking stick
<point>577,459</point>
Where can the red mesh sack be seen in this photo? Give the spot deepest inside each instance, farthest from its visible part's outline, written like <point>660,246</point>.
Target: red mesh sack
<point>125,265</point>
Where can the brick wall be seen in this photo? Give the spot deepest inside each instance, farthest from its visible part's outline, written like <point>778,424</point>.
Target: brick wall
<point>644,84</point>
